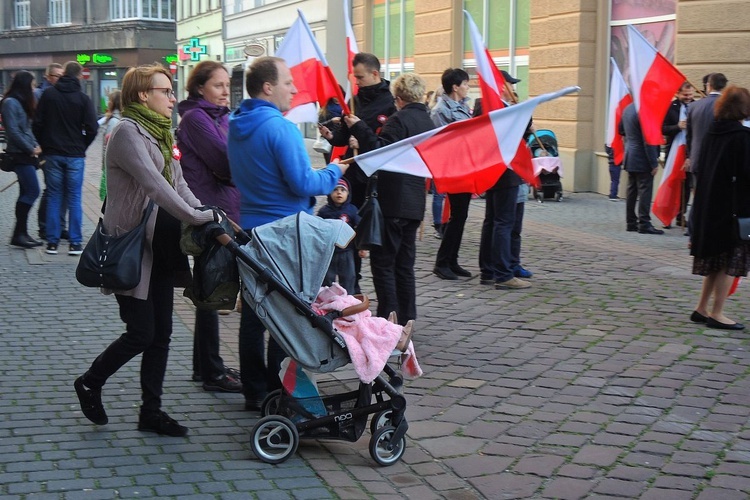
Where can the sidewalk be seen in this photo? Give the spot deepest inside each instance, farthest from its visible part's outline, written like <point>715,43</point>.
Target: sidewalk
<point>593,383</point>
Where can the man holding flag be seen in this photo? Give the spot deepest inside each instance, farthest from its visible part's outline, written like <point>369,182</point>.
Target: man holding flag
<point>674,123</point>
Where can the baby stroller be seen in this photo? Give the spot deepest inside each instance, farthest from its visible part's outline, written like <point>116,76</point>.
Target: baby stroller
<point>282,268</point>
<point>547,164</point>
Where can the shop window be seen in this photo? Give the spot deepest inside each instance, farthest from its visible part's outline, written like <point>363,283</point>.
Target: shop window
<point>59,12</point>
<point>504,25</point>
<point>141,9</point>
<point>393,35</point>
<point>23,14</point>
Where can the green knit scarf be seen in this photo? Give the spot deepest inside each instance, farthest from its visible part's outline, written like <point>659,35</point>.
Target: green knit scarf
<point>160,127</point>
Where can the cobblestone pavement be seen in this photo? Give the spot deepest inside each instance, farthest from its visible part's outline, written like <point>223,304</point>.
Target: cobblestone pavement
<point>593,383</point>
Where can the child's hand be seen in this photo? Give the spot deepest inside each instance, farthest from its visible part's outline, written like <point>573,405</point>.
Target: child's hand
<point>363,254</point>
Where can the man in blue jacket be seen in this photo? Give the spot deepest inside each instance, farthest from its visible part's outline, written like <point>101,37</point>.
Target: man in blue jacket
<point>272,170</point>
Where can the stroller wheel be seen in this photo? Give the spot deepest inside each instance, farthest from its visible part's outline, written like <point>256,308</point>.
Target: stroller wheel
<point>380,419</point>
<point>383,450</point>
<point>274,439</point>
<point>270,404</point>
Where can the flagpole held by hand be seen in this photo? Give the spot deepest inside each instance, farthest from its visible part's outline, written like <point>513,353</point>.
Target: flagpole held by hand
<point>514,99</point>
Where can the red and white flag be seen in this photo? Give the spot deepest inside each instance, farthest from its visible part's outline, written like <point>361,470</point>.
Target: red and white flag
<point>619,98</point>
<point>351,50</point>
<point>491,81</point>
<point>312,76</point>
<point>486,145</point>
<point>668,199</point>
<point>653,81</point>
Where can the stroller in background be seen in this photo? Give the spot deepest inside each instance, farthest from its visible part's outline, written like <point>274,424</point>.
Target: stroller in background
<point>549,175</point>
<point>282,269</point>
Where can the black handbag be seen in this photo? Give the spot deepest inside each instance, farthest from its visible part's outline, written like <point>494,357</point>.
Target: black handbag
<point>8,161</point>
<point>741,224</point>
<point>114,262</point>
<point>370,227</point>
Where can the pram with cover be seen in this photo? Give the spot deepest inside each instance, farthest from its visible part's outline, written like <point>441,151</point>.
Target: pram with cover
<point>282,268</point>
<point>547,165</point>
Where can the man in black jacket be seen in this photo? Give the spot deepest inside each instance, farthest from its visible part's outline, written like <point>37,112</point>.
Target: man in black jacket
<point>373,104</point>
<point>674,122</point>
<point>65,125</point>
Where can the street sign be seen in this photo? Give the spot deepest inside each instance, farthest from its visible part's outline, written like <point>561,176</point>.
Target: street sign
<point>86,73</point>
<point>173,68</point>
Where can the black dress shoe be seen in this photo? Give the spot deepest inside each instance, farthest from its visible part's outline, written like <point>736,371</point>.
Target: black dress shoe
<point>460,271</point>
<point>697,317</point>
<point>161,423</point>
<point>24,241</point>
<point>712,323</point>
<point>650,230</point>
<point>444,273</point>
<point>632,229</point>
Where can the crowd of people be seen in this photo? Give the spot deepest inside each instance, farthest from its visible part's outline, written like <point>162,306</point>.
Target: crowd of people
<point>251,166</point>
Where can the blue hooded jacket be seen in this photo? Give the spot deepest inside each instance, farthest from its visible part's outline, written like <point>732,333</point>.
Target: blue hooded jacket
<point>270,165</point>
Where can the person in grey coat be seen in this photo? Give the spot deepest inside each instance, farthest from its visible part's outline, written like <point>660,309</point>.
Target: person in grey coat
<point>641,162</point>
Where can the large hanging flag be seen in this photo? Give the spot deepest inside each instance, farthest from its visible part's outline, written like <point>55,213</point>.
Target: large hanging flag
<point>619,98</point>
<point>491,81</point>
<point>653,81</point>
<point>486,145</point>
<point>312,76</point>
<point>668,199</point>
<point>351,51</point>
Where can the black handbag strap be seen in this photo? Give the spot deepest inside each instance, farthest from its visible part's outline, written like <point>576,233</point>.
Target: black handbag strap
<point>147,211</point>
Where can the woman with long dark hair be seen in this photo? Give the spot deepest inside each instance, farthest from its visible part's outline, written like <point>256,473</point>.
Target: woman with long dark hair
<point>723,182</point>
<point>17,108</point>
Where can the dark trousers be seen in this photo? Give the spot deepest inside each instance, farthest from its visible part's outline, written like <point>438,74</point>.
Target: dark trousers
<point>495,258</point>
<point>342,266</point>
<point>614,176</point>
<point>392,267</point>
<point>447,255</point>
<point>640,190</point>
<point>515,237</point>
<point>148,329</point>
<point>259,374</point>
<point>206,359</point>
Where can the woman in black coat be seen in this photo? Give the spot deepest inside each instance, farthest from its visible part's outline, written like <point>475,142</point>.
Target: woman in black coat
<point>402,200</point>
<point>721,192</point>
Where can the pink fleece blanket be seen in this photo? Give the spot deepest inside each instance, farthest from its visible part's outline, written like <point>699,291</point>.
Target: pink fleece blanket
<point>369,339</point>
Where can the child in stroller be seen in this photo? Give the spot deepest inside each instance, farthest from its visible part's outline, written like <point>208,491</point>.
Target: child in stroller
<point>547,165</point>
<point>282,268</point>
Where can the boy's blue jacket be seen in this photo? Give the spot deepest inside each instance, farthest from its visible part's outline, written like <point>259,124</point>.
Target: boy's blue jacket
<point>270,165</point>
<point>346,212</point>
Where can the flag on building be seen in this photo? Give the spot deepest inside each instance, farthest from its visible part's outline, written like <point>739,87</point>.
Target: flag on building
<point>486,145</point>
<point>619,98</point>
<point>312,76</point>
<point>653,82</point>
<point>668,199</point>
<point>351,50</point>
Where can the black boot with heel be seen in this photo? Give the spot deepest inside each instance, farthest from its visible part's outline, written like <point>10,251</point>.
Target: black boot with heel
<point>21,236</point>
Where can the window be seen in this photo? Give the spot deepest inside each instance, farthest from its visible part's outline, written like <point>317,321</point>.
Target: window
<point>141,9</point>
<point>504,25</point>
<point>59,12</point>
<point>23,14</point>
<point>393,35</point>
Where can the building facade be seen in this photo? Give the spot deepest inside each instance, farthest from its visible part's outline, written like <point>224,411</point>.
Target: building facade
<point>199,38</point>
<point>105,36</point>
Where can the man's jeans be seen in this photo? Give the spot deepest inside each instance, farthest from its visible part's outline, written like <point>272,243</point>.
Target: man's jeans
<point>64,173</point>
<point>495,260</point>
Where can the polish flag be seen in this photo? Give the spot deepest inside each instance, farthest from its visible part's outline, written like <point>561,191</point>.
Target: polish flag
<point>669,193</point>
<point>351,50</point>
<point>486,145</point>
<point>619,98</point>
<point>654,81</point>
<point>491,81</point>
<point>312,76</point>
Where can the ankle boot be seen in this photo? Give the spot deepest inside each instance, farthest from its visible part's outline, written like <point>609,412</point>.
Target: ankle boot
<point>21,237</point>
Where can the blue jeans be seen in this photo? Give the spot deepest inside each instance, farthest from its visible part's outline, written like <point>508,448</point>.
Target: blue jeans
<point>64,173</point>
<point>515,237</point>
<point>437,205</point>
<point>495,257</point>
<point>28,184</point>
<point>614,185</point>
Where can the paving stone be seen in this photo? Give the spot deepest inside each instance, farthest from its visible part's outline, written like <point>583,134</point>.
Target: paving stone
<point>666,494</point>
<point>597,455</point>
<point>507,485</point>
<point>620,488</point>
<point>714,493</point>
<point>539,465</point>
